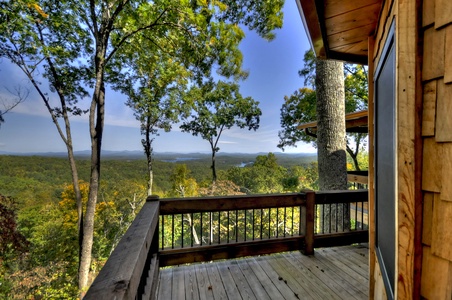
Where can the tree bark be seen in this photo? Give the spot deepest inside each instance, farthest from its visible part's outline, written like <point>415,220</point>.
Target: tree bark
<point>147,145</point>
<point>96,126</point>
<point>331,141</point>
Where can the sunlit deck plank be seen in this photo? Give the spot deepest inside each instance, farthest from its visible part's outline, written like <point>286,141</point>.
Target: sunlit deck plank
<point>349,280</point>
<point>165,284</point>
<point>178,291</point>
<point>276,279</point>
<point>226,276</point>
<point>216,284</point>
<point>334,273</point>
<point>266,283</point>
<point>258,290</point>
<point>204,287</point>
<point>240,280</point>
<point>296,284</point>
<point>323,290</point>
<point>327,275</point>
<point>191,284</point>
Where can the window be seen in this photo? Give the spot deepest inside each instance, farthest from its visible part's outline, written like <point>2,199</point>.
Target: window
<point>385,162</point>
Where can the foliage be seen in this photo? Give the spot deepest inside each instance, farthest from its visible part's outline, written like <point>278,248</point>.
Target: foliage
<point>12,242</point>
<point>218,107</point>
<point>220,188</point>
<point>265,175</point>
<point>94,42</point>
<point>300,107</point>
<point>46,216</point>
<point>182,184</point>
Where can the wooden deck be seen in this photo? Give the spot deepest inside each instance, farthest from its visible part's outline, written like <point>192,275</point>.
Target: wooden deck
<point>332,273</point>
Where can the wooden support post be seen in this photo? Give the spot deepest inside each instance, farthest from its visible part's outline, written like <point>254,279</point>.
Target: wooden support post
<point>309,234</point>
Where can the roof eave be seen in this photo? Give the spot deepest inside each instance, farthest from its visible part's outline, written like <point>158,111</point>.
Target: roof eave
<point>311,22</point>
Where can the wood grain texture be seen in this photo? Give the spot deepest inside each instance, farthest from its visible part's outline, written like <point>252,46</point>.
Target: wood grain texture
<point>121,275</point>
<point>208,204</point>
<point>435,275</point>
<point>441,229</point>
<point>429,109</point>
<point>446,172</point>
<point>380,291</point>
<point>334,273</point>
<point>338,7</point>
<point>353,19</point>
<point>448,56</point>
<point>427,218</point>
<point>444,112</point>
<point>355,35</point>
<point>443,13</point>
<point>371,148</point>
<point>428,12</point>
<point>433,59</point>
<point>387,15</point>
<point>406,32</point>
<point>432,166</point>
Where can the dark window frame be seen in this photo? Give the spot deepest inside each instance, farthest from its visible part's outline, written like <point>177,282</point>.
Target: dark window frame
<point>386,170</point>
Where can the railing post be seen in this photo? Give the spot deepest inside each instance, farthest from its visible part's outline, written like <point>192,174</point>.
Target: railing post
<point>155,242</point>
<point>150,282</point>
<point>309,225</point>
<point>131,271</point>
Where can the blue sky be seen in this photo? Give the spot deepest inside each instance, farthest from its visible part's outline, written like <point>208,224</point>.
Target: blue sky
<point>273,68</point>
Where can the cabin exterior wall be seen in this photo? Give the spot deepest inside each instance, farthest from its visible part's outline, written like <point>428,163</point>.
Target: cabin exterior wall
<point>436,32</point>
<point>423,38</point>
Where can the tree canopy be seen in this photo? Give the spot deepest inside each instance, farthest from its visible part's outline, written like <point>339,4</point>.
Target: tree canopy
<point>216,108</point>
<point>81,46</point>
<point>300,107</point>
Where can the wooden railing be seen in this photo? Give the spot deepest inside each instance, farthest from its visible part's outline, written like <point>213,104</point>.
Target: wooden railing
<point>176,231</point>
<point>204,229</point>
<point>131,271</point>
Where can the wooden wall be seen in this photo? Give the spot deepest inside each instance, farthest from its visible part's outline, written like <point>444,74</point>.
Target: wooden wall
<point>436,279</point>
<point>424,147</point>
<point>405,14</point>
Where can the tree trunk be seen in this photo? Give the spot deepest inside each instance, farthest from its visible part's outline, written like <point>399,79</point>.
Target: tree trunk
<point>193,229</point>
<point>214,170</point>
<point>331,142</point>
<point>96,125</point>
<point>67,139</point>
<point>147,145</point>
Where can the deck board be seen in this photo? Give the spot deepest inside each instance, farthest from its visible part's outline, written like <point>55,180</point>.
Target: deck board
<point>191,284</point>
<point>332,273</point>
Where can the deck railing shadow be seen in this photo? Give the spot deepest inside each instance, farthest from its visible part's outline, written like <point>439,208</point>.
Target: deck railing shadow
<point>177,231</point>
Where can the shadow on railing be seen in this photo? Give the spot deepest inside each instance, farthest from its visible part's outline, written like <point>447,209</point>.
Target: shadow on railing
<point>177,231</point>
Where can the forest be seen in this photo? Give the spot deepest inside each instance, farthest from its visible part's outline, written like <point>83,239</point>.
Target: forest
<point>39,256</point>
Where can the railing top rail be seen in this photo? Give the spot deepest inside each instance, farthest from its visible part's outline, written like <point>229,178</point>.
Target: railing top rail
<point>121,275</point>
<point>341,196</point>
<point>224,203</point>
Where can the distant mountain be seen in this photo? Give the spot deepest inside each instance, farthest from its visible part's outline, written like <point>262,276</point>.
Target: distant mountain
<point>163,156</point>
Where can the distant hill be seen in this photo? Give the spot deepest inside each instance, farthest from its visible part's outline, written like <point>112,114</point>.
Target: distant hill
<point>167,156</point>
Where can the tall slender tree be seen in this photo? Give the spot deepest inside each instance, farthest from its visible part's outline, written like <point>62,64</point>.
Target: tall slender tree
<point>38,41</point>
<point>218,107</point>
<point>92,41</point>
